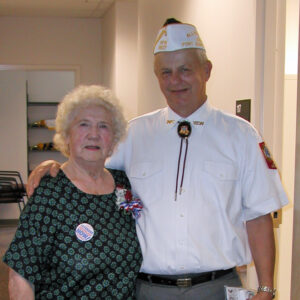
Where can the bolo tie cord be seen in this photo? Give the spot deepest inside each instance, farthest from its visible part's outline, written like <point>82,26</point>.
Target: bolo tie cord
<point>184,130</point>
<point>183,167</point>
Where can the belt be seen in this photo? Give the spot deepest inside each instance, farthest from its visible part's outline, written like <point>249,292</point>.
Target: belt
<point>185,281</point>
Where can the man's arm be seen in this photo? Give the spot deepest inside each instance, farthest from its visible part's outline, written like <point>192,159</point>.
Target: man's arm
<point>19,288</point>
<point>48,166</point>
<point>262,245</point>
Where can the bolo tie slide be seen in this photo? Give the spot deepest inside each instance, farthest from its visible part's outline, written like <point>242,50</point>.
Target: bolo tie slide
<point>184,130</point>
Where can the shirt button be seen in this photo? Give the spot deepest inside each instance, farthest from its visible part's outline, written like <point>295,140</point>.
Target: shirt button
<point>181,215</point>
<point>144,174</point>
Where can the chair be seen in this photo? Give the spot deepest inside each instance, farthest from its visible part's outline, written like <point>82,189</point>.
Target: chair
<point>12,189</point>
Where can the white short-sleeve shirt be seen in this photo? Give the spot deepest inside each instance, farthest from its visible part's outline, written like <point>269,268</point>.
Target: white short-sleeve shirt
<point>226,182</point>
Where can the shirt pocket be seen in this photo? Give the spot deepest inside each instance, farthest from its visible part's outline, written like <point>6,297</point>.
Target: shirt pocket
<point>146,181</point>
<point>144,170</point>
<point>221,171</point>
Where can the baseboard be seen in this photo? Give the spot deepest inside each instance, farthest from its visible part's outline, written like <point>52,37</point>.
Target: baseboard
<point>9,222</point>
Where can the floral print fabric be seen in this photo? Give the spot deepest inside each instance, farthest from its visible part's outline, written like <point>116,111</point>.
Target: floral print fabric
<point>48,251</point>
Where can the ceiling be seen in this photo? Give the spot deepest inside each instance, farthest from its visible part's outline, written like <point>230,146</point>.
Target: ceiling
<point>55,8</point>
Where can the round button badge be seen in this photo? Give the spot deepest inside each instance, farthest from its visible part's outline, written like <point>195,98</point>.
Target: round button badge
<point>84,232</point>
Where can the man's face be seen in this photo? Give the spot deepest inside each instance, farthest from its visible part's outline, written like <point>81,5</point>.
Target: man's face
<point>182,79</point>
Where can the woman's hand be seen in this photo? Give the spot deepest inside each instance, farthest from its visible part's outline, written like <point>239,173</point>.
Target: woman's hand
<point>18,287</point>
<point>48,166</point>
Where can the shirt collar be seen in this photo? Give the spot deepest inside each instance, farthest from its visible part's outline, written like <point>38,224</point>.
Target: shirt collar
<point>197,118</point>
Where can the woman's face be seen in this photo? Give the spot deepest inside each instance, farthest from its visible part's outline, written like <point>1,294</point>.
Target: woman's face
<point>90,137</point>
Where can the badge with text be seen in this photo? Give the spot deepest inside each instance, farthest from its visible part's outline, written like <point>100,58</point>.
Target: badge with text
<point>267,156</point>
<point>84,232</point>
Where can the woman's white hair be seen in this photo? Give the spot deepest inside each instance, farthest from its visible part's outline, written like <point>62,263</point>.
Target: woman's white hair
<point>81,97</point>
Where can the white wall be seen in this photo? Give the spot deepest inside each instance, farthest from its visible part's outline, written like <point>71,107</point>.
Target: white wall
<point>292,30</point>
<point>108,42</point>
<point>120,54</point>
<point>127,56</point>
<point>53,41</point>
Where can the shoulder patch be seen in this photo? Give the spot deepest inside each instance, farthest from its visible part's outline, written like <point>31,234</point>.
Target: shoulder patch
<point>267,156</point>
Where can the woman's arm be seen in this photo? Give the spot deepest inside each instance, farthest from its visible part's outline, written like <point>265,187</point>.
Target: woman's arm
<point>19,288</point>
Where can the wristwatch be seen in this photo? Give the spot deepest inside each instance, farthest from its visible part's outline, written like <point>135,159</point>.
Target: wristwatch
<point>263,288</point>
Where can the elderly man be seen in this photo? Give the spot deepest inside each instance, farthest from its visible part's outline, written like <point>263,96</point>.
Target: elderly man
<point>206,179</point>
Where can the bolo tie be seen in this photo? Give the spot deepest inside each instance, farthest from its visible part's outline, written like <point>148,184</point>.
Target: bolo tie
<point>184,130</point>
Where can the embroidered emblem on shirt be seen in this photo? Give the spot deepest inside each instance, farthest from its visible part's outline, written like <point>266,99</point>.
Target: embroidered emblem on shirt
<point>170,121</point>
<point>198,123</point>
<point>194,122</point>
<point>267,156</point>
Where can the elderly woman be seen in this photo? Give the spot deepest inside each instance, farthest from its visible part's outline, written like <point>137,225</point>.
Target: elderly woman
<point>74,241</point>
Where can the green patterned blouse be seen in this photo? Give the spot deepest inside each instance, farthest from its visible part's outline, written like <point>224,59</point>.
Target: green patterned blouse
<point>73,245</point>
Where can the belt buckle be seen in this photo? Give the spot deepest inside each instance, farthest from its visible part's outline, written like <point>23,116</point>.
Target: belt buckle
<point>184,282</point>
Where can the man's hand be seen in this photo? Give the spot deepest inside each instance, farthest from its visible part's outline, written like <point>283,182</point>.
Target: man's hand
<point>262,245</point>
<point>48,166</point>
